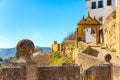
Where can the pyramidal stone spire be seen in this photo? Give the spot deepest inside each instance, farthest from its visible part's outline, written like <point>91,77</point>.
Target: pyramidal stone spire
<point>94,17</point>
<point>83,17</point>
<point>88,14</point>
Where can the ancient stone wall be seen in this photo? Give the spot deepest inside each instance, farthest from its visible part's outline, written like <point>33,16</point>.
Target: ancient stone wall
<point>109,32</point>
<point>116,73</point>
<point>87,50</point>
<point>43,73</point>
<point>102,72</point>
<point>41,60</point>
<point>59,73</point>
<point>84,59</point>
<point>55,46</point>
<point>12,74</point>
<point>87,61</point>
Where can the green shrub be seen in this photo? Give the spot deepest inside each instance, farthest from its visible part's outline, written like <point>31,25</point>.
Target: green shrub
<point>54,54</point>
<point>55,59</point>
<point>68,61</point>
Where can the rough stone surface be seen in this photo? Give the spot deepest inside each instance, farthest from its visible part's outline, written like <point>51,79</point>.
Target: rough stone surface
<point>41,60</point>
<point>116,73</point>
<point>118,27</point>
<point>84,59</point>
<point>55,46</point>
<point>99,73</point>
<point>31,71</point>
<point>25,48</point>
<point>108,57</point>
<point>12,74</point>
<point>59,73</point>
<point>109,32</point>
<point>87,61</point>
<point>41,73</point>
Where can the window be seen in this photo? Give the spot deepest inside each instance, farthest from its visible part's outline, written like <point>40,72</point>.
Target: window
<point>100,4</point>
<point>93,5</point>
<point>109,2</point>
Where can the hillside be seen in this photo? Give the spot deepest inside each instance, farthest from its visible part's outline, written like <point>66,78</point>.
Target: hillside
<point>8,52</point>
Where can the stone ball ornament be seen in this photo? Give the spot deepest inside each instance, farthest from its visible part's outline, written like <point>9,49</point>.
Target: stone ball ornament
<point>25,48</point>
<point>108,57</point>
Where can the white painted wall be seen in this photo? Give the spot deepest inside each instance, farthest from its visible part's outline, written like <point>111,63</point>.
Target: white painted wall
<point>89,37</point>
<point>101,12</point>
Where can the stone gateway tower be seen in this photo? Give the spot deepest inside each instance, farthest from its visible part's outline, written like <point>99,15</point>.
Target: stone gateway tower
<point>118,28</point>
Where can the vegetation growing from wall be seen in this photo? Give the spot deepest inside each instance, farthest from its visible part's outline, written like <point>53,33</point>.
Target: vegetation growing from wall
<point>8,62</point>
<point>68,60</point>
<point>57,60</point>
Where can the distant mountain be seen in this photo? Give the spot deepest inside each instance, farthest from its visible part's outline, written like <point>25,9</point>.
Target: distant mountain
<point>9,52</point>
<point>4,53</point>
<point>46,49</point>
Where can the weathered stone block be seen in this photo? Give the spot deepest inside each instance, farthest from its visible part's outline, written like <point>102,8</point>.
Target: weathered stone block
<point>59,73</point>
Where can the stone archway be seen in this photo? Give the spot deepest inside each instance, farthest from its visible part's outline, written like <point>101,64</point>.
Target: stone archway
<point>89,22</point>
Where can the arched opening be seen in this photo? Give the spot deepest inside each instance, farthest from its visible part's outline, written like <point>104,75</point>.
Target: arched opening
<point>89,35</point>
<point>88,30</point>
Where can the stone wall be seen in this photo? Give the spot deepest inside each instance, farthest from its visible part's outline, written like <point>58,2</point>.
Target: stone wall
<point>12,74</point>
<point>41,60</point>
<point>59,73</point>
<point>55,46</point>
<point>87,50</point>
<point>116,73</point>
<point>87,61</point>
<point>102,72</point>
<point>42,73</point>
<point>109,32</point>
<point>84,59</point>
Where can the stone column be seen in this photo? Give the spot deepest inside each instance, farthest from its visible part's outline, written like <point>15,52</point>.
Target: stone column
<point>118,27</point>
<point>31,71</point>
<point>84,35</point>
<point>80,32</point>
<point>25,49</point>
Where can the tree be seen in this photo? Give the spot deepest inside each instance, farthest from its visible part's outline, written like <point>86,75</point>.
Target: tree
<point>1,59</point>
<point>16,55</point>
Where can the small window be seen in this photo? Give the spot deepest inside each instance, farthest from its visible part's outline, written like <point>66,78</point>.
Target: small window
<point>93,5</point>
<point>100,4</point>
<point>109,2</point>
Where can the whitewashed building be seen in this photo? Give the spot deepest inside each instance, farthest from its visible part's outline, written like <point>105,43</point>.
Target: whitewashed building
<point>101,9</point>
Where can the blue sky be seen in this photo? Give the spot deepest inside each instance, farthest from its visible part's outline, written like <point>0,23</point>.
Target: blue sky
<point>41,21</point>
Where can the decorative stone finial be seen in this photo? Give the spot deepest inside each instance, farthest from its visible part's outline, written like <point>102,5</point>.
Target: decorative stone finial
<point>83,18</point>
<point>94,17</point>
<point>25,48</point>
<point>108,57</point>
<point>88,14</point>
